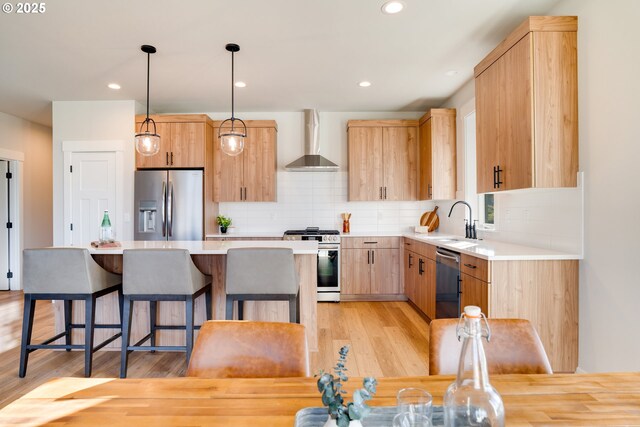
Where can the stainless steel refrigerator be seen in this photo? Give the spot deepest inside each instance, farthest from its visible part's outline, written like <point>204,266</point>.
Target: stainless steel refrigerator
<point>168,204</point>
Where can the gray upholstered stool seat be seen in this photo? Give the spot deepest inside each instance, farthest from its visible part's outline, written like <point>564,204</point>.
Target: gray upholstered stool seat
<point>161,275</point>
<point>261,274</point>
<point>65,274</point>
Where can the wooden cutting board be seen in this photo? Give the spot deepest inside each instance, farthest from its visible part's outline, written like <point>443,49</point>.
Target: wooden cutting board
<point>430,219</point>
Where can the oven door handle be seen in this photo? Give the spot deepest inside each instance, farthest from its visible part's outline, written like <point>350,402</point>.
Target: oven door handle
<point>328,248</point>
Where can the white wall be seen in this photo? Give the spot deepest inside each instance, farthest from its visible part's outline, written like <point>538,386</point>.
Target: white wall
<point>317,199</point>
<point>93,121</point>
<point>34,141</point>
<point>608,88</point>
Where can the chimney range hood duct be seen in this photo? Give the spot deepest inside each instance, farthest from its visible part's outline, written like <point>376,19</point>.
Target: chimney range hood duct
<point>312,161</point>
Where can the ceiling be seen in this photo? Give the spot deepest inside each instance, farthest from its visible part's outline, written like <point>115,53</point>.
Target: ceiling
<point>294,54</point>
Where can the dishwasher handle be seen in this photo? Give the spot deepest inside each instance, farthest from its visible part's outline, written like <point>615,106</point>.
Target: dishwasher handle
<point>447,256</point>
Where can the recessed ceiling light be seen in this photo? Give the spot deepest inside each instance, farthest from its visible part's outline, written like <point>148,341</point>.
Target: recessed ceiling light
<point>114,86</point>
<point>451,73</point>
<point>241,84</point>
<point>392,7</point>
<point>364,84</point>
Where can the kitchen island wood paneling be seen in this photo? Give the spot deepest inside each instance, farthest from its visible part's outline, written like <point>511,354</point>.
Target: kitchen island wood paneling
<point>210,258</point>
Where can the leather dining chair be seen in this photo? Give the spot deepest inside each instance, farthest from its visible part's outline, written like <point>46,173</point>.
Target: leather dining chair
<point>247,349</point>
<point>514,348</point>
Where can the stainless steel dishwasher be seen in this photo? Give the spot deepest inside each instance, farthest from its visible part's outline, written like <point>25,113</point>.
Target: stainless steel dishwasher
<point>447,284</point>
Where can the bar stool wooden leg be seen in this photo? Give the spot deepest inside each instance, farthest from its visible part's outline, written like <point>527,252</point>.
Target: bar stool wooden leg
<point>189,326</point>
<point>27,329</point>
<point>228,315</point>
<point>153,312</point>
<point>89,327</point>
<point>68,307</point>
<point>126,334</point>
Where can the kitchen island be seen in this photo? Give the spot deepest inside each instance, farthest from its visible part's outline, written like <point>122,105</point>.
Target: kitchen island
<point>210,258</point>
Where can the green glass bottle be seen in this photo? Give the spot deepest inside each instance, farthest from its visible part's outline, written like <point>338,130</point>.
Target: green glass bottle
<point>105,229</point>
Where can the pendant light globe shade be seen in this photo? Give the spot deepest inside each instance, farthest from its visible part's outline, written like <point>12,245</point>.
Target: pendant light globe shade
<point>232,143</point>
<point>147,144</point>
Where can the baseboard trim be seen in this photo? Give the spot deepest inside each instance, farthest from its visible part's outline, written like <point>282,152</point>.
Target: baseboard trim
<point>579,370</point>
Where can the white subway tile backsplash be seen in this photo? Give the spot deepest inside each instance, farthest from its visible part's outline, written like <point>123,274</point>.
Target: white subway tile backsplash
<point>318,199</point>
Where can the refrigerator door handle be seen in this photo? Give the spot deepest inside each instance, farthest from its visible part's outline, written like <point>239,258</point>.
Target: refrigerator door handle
<point>170,210</point>
<point>164,213</point>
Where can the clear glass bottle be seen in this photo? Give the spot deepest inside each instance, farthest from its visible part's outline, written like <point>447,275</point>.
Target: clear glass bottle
<point>106,235</point>
<point>471,400</point>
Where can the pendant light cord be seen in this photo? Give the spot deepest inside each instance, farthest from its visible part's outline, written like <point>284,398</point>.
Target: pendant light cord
<point>232,89</point>
<point>148,74</point>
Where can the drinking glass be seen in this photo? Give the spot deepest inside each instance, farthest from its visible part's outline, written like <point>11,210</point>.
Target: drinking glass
<point>408,419</point>
<point>415,401</point>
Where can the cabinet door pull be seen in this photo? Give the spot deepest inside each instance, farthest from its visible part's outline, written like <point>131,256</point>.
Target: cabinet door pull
<point>498,170</point>
<point>240,193</point>
<point>385,193</point>
<point>373,257</point>
<point>495,177</point>
<point>245,193</point>
<point>470,266</point>
<point>172,158</point>
<point>380,193</point>
<point>368,257</point>
<point>167,159</point>
<point>429,192</point>
<point>420,266</point>
<point>410,260</point>
<point>370,243</point>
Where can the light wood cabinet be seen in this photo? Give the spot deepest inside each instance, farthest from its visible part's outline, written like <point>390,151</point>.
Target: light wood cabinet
<point>474,292</point>
<point>437,155</point>
<point>184,141</point>
<point>410,272</point>
<point>425,284</point>
<point>251,175</point>
<point>370,268</point>
<point>382,159</point>
<point>527,108</point>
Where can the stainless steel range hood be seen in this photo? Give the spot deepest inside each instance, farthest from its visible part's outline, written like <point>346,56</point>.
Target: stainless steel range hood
<point>312,161</point>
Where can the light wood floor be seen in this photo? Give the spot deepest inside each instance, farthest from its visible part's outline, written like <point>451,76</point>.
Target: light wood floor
<point>386,339</point>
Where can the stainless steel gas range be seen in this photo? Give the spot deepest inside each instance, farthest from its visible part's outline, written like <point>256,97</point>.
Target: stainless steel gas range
<point>328,259</point>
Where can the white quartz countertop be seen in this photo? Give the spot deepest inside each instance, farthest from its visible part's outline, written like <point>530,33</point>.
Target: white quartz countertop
<point>299,247</point>
<point>374,234</point>
<point>269,234</point>
<point>491,250</point>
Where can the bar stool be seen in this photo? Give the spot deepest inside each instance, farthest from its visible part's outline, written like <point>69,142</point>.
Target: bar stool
<point>261,274</point>
<point>66,274</point>
<point>161,275</point>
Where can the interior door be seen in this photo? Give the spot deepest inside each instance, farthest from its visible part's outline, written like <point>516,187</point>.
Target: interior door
<point>365,163</point>
<point>399,153</point>
<point>93,190</point>
<point>5,242</point>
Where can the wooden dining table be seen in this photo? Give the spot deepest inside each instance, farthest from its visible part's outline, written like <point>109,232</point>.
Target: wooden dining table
<point>530,400</point>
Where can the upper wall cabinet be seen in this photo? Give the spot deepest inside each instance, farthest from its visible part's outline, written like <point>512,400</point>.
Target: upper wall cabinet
<point>251,175</point>
<point>437,176</point>
<point>382,159</point>
<point>527,108</point>
<point>183,141</point>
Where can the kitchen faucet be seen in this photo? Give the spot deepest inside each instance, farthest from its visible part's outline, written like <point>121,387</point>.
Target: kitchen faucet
<point>469,226</point>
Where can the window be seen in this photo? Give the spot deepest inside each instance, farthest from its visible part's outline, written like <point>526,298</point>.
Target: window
<point>486,205</point>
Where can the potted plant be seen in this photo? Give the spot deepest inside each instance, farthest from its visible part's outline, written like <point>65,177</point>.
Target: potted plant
<point>341,414</point>
<point>224,222</point>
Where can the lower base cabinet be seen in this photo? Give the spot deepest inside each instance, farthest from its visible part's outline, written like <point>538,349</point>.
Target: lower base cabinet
<point>474,292</point>
<point>370,272</point>
<point>420,282</point>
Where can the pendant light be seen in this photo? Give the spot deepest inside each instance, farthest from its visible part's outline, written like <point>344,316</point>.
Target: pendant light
<point>147,142</point>
<point>232,140</point>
